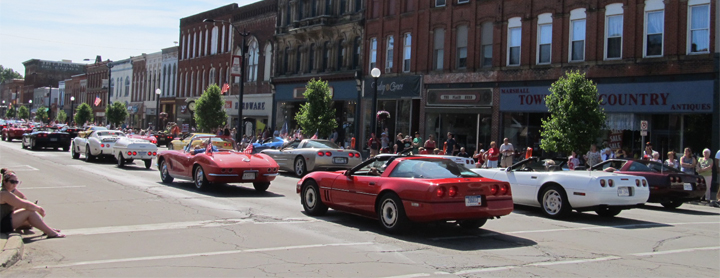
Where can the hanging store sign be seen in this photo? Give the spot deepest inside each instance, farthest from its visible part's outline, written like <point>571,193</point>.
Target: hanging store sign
<point>465,97</point>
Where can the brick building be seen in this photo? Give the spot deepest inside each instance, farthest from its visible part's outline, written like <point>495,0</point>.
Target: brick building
<point>137,87</point>
<point>43,73</point>
<point>75,86</point>
<point>168,81</point>
<point>320,40</point>
<point>10,92</point>
<point>98,75</point>
<point>487,65</point>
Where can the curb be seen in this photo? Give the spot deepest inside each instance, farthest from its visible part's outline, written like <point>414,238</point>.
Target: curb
<point>13,250</point>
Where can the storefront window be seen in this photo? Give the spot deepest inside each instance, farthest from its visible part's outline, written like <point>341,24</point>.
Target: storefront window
<point>523,130</point>
<point>471,129</point>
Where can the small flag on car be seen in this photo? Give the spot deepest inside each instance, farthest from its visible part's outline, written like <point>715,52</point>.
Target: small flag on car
<point>315,136</point>
<point>249,149</point>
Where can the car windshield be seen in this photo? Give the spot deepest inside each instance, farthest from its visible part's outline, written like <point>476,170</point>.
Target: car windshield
<point>431,169</point>
<point>321,144</point>
<point>540,165</point>
<point>221,143</point>
<point>653,167</point>
<point>617,165</point>
<point>110,133</point>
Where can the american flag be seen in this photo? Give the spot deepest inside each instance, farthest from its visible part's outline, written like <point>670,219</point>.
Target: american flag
<point>97,100</point>
<point>249,149</point>
<point>315,136</point>
<point>284,130</point>
<point>225,88</point>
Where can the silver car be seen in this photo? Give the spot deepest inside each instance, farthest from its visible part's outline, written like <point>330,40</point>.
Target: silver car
<point>302,157</point>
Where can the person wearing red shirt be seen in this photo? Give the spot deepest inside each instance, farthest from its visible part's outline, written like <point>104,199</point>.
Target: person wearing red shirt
<point>493,155</point>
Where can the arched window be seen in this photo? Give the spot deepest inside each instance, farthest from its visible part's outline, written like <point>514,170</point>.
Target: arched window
<point>268,62</point>
<point>544,40</point>
<point>204,82</point>
<point>253,53</point>
<point>461,47</point>
<point>298,58</point>
<point>311,59</point>
<point>407,52</point>
<point>514,38</point>
<point>214,41</point>
<point>222,78</point>
<point>286,56</point>
<point>326,56</point>
<point>373,54</point>
<point>577,35</point>
<point>340,55</point>
<point>127,86</point>
<point>390,47</point>
<point>357,51</point>
<point>211,77</point>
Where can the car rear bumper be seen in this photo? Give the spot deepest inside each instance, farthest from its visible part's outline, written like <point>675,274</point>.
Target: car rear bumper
<point>236,178</point>
<point>676,194</point>
<point>428,212</point>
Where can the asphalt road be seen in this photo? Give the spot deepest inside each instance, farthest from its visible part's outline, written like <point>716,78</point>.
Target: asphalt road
<point>124,222</point>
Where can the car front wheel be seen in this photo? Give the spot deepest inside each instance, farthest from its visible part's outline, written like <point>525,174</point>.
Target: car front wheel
<point>311,201</point>
<point>554,202</point>
<point>300,168</point>
<point>201,181</point>
<point>164,174</point>
<point>392,214</point>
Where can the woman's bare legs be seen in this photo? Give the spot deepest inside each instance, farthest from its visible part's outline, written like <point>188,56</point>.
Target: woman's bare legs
<point>21,216</point>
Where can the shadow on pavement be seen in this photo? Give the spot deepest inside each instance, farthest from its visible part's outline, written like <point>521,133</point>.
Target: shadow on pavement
<point>438,234</point>
<point>590,218</point>
<point>678,210</point>
<point>235,190</point>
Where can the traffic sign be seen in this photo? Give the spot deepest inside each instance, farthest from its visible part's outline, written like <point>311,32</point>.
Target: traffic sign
<point>643,133</point>
<point>644,126</point>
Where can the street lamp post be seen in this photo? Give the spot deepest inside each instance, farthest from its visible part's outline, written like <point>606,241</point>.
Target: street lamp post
<point>157,107</point>
<point>110,66</point>
<point>72,110</point>
<point>49,108</point>
<point>375,73</point>
<point>243,48</point>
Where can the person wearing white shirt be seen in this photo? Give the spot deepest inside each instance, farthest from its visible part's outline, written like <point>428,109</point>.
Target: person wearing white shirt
<point>506,149</point>
<point>607,154</point>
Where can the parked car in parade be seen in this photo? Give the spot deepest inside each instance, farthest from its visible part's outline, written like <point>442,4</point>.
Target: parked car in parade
<point>15,131</point>
<point>127,149</point>
<point>302,157</point>
<point>544,183</point>
<point>269,143</point>
<point>183,140</point>
<point>668,186</point>
<point>3,124</point>
<point>149,138</point>
<point>399,190</point>
<point>95,143</point>
<point>46,137</point>
<point>467,162</point>
<point>209,159</point>
<point>71,130</point>
<point>162,138</point>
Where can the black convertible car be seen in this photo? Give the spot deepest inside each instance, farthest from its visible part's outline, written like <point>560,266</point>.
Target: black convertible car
<point>45,137</point>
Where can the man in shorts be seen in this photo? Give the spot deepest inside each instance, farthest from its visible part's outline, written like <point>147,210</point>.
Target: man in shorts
<point>506,151</point>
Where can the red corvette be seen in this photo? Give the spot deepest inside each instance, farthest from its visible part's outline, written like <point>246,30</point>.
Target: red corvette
<point>15,132</point>
<point>398,190</point>
<point>213,159</point>
<point>149,138</point>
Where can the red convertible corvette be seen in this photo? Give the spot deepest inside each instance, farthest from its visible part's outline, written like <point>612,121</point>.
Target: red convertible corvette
<point>15,132</point>
<point>213,159</point>
<point>398,190</point>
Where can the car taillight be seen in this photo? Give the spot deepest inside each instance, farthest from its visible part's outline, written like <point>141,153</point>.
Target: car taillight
<point>700,180</point>
<point>452,191</point>
<point>503,189</point>
<point>602,183</point>
<point>637,183</point>
<point>102,145</point>
<point>611,183</point>
<point>644,183</point>
<point>494,189</point>
<point>321,153</point>
<point>440,191</point>
<point>328,154</point>
<point>134,153</point>
<point>154,153</point>
<point>149,153</point>
<point>672,179</point>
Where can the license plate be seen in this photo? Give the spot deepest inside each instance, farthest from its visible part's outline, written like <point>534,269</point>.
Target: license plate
<point>687,186</point>
<point>624,191</point>
<point>249,176</point>
<point>53,139</point>
<point>473,201</point>
<point>340,160</point>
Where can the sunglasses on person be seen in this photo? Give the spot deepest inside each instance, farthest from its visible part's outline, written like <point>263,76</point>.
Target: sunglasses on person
<point>14,181</point>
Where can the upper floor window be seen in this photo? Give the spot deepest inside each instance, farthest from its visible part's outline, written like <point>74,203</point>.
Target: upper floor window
<point>373,53</point>
<point>461,44</point>
<point>328,7</point>
<point>389,54</point>
<point>326,56</point>
<point>654,28</point>
<point>699,26</point>
<point>486,44</point>
<point>298,60</point>
<point>463,1</point>
<point>127,86</point>
<point>343,6</point>
<point>440,3</point>
<point>577,35</point>
<point>544,48</point>
<point>313,8</point>
<point>438,48</point>
<point>407,52</point>
<point>357,47</point>
<point>211,77</point>
<point>311,59</point>
<point>358,5</point>
<point>514,40</point>
<point>286,56</point>
<point>340,55</point>
<point>214,41</point>
<point>252,62</point>
<point>613,31</point>
<point>268,62</point>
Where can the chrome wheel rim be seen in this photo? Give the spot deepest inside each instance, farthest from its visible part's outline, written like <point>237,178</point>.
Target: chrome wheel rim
<point>389,213</point>
<point>164,171</point>
<point>552,202</point>
<point>199,177</point>
<point>310,197</point>
<point>299,166</point>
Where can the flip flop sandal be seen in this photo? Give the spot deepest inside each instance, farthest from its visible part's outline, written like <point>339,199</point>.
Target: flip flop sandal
<point>57,235</point>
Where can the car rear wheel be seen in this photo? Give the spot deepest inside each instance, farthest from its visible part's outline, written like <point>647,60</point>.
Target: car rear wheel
<point>33,145</point>
<point>164,173</point>
<point>671,204</point>
<point>311,201</point>
<point>148,163</point>
<point>201,181</point>
<point>300,168</point>
<point>392,214</point>
<point>121,161</point>
<point>472,223</point>
<point>23,145</point>
<point>608,212</point>
<point>75,155</point>
<point>261,186</point>
<point>554,202</point>
<point>88,155</point>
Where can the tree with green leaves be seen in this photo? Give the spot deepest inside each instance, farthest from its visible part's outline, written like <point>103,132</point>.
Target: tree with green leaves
<point>318,113</point>
<point>8,74</point>
<point>209,112</point>
<point>576,118</point>
<point>83,114</point>
<point>116,113</point>
<point>41,114</point>
<point>23,113</point>
<point>61,116</point>
<point>11,112</point>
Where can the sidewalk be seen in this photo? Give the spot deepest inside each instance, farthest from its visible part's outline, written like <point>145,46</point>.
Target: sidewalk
<point>12,249</point>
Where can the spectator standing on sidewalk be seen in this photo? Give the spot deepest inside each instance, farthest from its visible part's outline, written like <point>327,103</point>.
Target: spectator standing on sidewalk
<point>507,150</point>
<point>705,165</point>
<point>493,154</point>
<point>374,145</point>
<point>671,161</point>
<point>688,162</point>
<point>450,144</point>
<point>430,144</point>
<point>593,156</point>
<point>573,161</point>
<point>417,142</point>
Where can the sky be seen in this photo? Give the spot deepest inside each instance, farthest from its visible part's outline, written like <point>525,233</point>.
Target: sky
<point>80,29</point>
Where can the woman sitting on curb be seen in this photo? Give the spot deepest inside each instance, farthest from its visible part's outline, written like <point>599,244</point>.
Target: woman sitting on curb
<point>14,211</point>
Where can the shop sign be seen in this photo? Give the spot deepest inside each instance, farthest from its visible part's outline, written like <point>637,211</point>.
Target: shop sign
<point>648,97</point>
<point>615,140</point>
<point>99,114</point>
<point>183,109</point>
<point>228,104</point>
<point>185,128</point>
<point>393,87</point>
<point>299,93</point>
<point>472,97</point>
<point>149,111</point>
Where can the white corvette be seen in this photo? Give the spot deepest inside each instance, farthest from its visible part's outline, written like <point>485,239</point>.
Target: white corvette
<point>94,144</point>
<point>127,149</point>
<point>547,184</point>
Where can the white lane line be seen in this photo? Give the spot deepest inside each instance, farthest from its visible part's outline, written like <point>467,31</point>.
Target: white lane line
<point>612,227</point>
<point>230,252</point>
<point>576,261</point>
<point>172,226</point>
<point>478,270</point>
<point>676,251</point>
<point>21,168</point>
<point>410,275</point>
<point>54,187</point>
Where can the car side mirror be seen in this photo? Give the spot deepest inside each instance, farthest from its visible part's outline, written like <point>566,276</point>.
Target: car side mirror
<point>508,169</point>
